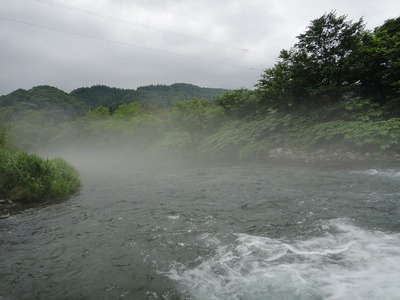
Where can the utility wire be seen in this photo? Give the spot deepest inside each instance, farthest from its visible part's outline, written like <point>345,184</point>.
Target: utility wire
<point>145,26</point>
<point>128,44</point>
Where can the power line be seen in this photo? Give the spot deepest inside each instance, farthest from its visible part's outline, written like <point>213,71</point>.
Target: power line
<point>148,27</point>
<point>127,44</point>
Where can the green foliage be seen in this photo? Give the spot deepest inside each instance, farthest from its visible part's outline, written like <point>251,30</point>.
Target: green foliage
<point>197,117</point>
<point>226,142</point>
<point>84,130</point>
<point>64,179</point>
<point>26,176</point>
<point>340,85</point>
<point>363,110</point>
<point>253,139</point>
<point>58,105</point>
<point>34,116</point>
<point>368,135</point>
<point>100,95</point>
<point>247,139</point>
<point>361,131</point>
<point>127,111</point>
<point>6,140</point>
<point>324,57</point>
<point>276,87</point>
<point>167,96</point>
<point>335,60</point>
<point>147,127</point>
<point>98,113</point>
<point>173,143</point>
<point>239,103</point>
<point>33,129</point>
<point>151,95</point>
<point>320,68</point>
<point>128,125</point>
<point>44,115</point>
<point>379,59</point>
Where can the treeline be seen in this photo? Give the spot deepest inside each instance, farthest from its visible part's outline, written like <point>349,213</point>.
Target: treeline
<point>336,90</point>
<point>34,117</point>
<point>151,95</point>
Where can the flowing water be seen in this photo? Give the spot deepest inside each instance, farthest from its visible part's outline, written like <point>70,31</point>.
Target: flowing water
<point>181,231</point>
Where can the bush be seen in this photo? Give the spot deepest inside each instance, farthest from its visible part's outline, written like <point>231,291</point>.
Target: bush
<point>25,176</point>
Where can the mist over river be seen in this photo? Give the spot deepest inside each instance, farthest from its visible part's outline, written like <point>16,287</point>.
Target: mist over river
<point>210,231</point>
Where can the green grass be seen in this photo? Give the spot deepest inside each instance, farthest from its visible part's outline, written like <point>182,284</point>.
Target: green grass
<point>29,177</point>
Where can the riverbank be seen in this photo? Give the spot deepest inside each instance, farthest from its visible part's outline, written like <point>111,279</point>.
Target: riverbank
<point>329,155</point>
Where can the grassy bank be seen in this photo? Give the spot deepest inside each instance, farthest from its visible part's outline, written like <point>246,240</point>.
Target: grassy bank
<point>258,139</point>
<point>28,177</point>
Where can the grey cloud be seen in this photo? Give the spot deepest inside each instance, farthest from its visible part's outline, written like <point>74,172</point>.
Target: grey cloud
<point>31,55</point>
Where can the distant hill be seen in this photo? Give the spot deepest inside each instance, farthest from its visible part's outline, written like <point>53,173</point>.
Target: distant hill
<point>54,103</point>
<point>60,106</point>
<point>35,116</point>
<point>100,95</point>
<point>154,95</point>
<point>164,95</point>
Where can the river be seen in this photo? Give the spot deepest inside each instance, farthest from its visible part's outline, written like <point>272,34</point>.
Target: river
<point>210,231</point>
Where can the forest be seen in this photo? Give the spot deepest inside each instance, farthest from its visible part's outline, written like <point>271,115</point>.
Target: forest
<point>335,94</point>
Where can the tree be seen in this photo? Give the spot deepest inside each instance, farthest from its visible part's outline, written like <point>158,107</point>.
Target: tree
<point>319,69</point>
<point>238,103</point>
<point>275,87</point>
<point>380,60</point>
<point>126,111</point>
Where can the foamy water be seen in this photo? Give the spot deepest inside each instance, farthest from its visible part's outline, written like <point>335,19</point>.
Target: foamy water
<point>346,262</point>
<point>380,172</point>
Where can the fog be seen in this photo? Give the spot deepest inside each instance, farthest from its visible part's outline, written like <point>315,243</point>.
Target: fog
<point>97,156</point>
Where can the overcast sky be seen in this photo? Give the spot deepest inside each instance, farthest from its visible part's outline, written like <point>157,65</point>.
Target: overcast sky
<point>131,43</point>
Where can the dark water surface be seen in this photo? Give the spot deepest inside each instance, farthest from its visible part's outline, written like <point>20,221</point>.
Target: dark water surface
<point>210,232</point>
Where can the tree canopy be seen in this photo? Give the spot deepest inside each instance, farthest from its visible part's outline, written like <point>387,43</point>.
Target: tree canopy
<point>380,62</point>
<point>335,60</point>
